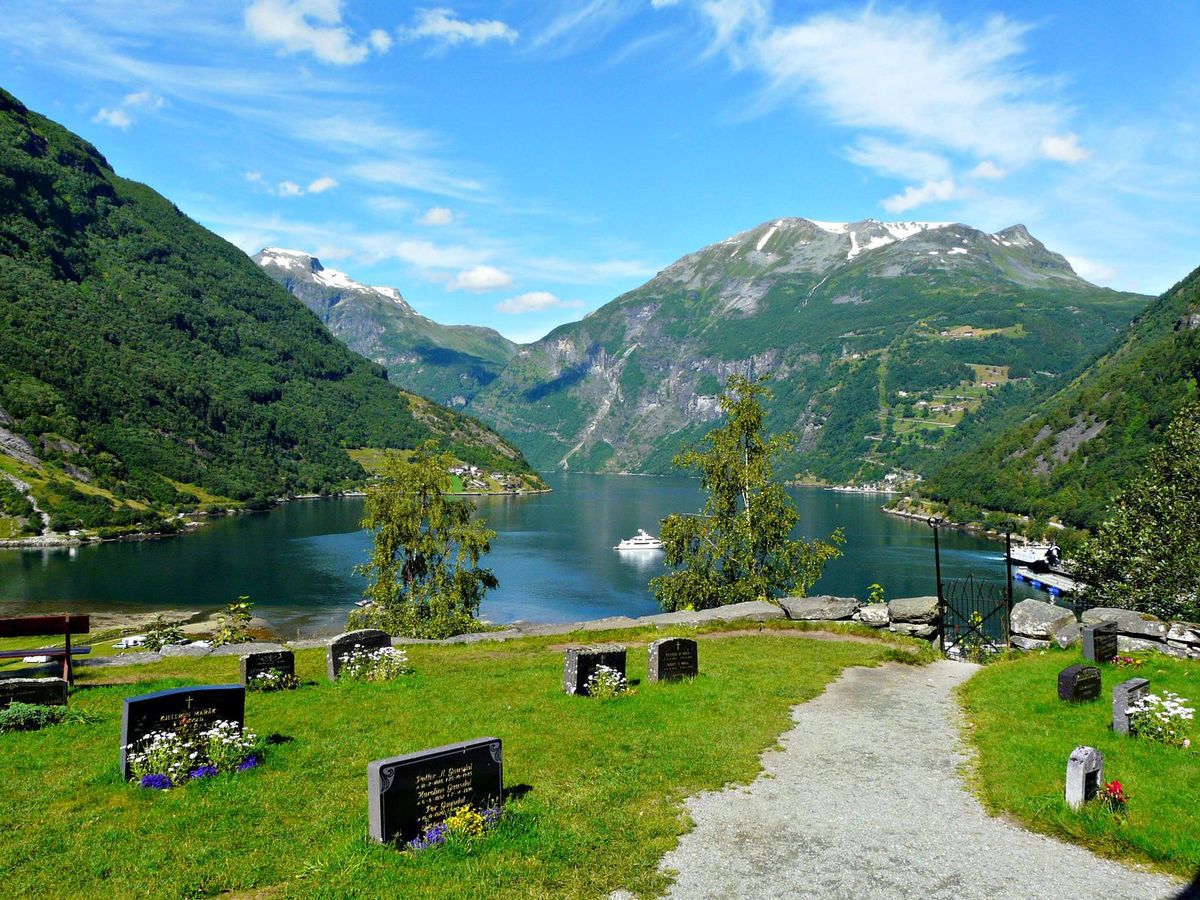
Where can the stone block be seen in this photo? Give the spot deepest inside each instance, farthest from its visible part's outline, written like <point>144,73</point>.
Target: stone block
<point>1130,623</point>
<point>874,614</point>
<point>1027,643</point>
<point>1038,619</point>
<point>822,608</point>
<point>918,610</point>
<point>914,629</point>
<point>1085,774</point>
<point>1184,633</point>
<point>1068,635</point>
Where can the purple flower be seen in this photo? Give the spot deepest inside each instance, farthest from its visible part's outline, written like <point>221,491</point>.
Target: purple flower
<point>434,837</point>
<point>156,782</point>
<point>248,763</point>
<point>204,772</point>
<point>491,815</point>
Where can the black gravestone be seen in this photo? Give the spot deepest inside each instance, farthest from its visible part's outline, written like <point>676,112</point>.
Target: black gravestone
<point>1079,684</point>
<point>165,710</point>
<point>42,691</point>
<point>1125,695</point>
<point>410,794</point>
<point>580,662</point>
<point>281,661</point>
<point>1100,642</point>
<point>366,639</point>
<point>671,659</point>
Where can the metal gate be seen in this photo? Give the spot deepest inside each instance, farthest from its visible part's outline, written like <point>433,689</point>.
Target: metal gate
<point>973,613</point>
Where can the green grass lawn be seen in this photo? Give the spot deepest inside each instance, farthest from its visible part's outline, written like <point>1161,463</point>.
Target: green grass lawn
<point>1024,735</point>
<point>607,779</point>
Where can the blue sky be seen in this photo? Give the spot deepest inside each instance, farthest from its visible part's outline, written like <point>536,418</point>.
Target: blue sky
<point>517,164</point>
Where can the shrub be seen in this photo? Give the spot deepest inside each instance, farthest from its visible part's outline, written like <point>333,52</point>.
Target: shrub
<point>384,664</point>
<point>161,633</point>
<point>29,716</point>
<point>233,625</point>
<point>605,683</point>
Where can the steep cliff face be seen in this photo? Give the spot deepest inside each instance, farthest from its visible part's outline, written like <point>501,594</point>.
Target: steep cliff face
<point>448,363</point>
<point>857,323</point>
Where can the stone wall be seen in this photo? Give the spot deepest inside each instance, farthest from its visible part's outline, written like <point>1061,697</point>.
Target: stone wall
<point>914,616</point>
<point>1036,625</point>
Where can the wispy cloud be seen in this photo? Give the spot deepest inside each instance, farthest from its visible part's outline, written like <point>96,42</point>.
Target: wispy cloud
<point>445,28</point>
<point>121,116</point>
<point>535,301</point>
<point>581,24</point>
<point>918,195</point>
<point>311,26</point>
<point>437,216</point>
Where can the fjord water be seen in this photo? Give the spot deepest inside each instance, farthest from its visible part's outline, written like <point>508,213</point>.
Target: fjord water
<point>553,555</point>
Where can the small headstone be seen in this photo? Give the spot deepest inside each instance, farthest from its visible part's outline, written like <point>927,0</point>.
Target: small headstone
<point>409,794</point>
<point>42,691</point>
<point>281,661</point>
<point>580,662</point>
<point>1125,695</point>
<point>341,646</point>
<point>1100,642</point>
<point>1085,774</point>
<point>1079,684</point>
<point>671,659</point>
<point>164,711</point>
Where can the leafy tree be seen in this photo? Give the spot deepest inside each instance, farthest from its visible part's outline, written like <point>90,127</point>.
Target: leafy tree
<point>425,579</point>
<point>740,547</point>
<point>1145,555</point>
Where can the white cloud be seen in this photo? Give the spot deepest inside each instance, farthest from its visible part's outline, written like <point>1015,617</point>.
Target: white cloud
<point>322,184</point>
<point>380,40</point>
<point>254,177</point>
<point>427,255</point>
<point>1064,148</point>
<point>437,215</point>
<point>918,195</point>
<point>117,118</point>
<point>386,204</point>
<point>310,26</point>
<point>1096,273</point>
<point>289,189</point>
<point>443,26</point>
<point>896,161</point>
<point>535,301</point>
<point>479,279</point>
<point>987,170</point>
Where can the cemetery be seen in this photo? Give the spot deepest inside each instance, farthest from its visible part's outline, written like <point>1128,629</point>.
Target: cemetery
<point>483,766</point>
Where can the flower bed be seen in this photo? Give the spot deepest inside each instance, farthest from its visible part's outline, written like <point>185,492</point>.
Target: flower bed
<point>606,683</point>
<point>463,824</point>
<point>383,664</point>
<point>168,759</point>
<point>272,680</point>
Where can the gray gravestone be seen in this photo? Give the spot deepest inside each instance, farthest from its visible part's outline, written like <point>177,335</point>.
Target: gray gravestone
<point>281,661</point>
<point>1125,695</point>
<point>671,659</point>
<point>1100,642</point>
<point>364,639</point>
<point>580,662</point>
<point>408,795</point>
<point>1085,774</point>
<point>1079,684</point>
<point>200,707</point>
<point>41,691</point>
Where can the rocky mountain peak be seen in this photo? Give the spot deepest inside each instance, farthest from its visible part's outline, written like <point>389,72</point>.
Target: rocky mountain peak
<point>301,267</point>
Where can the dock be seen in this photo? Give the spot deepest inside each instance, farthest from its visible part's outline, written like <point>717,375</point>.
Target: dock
<point>1052,583</point>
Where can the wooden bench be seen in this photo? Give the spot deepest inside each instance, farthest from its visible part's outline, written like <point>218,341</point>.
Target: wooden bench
<point>38,626</point>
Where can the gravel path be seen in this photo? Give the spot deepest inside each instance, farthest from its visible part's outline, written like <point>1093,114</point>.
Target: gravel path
<point>865,801</point>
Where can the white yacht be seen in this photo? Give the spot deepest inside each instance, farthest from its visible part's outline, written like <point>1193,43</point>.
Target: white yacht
<point>640,541</point>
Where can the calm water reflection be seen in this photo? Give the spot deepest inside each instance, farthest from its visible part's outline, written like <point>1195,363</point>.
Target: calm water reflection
<point>553,555</point>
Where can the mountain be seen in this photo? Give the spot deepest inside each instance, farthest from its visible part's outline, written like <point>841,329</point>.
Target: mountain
<point>883,339</point>
<point>147,365</point>
<point>1085,442</point>
<point>448,363</point>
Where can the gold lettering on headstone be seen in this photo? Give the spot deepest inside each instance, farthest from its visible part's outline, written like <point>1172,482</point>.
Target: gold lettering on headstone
<point>440,793</point>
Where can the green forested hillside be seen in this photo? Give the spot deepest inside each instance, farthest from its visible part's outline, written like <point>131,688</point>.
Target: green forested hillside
<point>146,364</point>
<point>1087,440</point>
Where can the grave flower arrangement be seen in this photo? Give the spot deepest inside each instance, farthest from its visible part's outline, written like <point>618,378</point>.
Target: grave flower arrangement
<point>606,683</point>
<point>1127,662</point>
<point>168,759</point>
<point>1163,719</point>
<point>272,680</point>
<point>1113,796</point>
<point>383,664</point>
<point>465,823</point>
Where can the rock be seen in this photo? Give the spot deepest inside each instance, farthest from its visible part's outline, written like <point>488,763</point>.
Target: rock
<point>874,614</point>
<point>541,629</point>
<point>755,610</point>
<point>184,650</point>
<point>1134,624</point>
<point>1184,633</point>
<point>1027,643</point>
<point>1068,635</point>
<point>823,608</point>
<point>1038,619</point>
<point>248,647</point>
<point>1137,645</point>
<point>923,610</point>
<point>610,622</point>
<point>914,629</point>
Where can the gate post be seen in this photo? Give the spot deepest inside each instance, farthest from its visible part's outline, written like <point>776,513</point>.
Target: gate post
<point>935,522</point>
